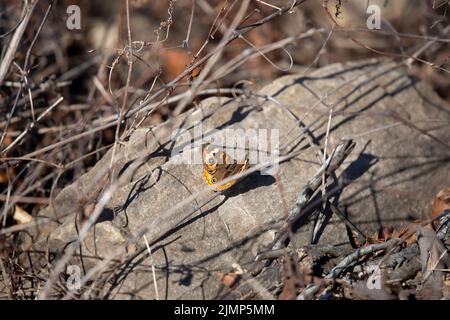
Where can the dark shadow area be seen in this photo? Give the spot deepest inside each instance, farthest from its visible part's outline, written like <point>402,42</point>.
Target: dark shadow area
<point>303,79</point>
<point>106,215</point>
<point>358,167</point>
<point>426,168</point>
<point>138,188</point>
<point>354,171</point>
<point>250,182</point>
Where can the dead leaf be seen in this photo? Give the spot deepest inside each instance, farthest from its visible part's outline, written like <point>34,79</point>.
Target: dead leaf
<point>21,216</point>
<point>176,61</point>
<point>229,279</point>
<point>407,233</point>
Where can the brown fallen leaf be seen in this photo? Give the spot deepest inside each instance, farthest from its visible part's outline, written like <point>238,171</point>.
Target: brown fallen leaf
<point>175,61</point>
<point>385,233</point>
<point>21,216</point>
<point>407,233</point>
<point>382,235</point>
<point>229,279</point>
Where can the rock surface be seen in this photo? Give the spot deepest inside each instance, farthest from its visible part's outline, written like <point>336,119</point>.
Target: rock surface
<point>401,160</point>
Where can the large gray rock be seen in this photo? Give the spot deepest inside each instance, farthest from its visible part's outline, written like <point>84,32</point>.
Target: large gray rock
<point>401,160</point>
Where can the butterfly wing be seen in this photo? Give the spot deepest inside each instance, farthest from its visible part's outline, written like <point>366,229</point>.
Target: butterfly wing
<point>216,167</point>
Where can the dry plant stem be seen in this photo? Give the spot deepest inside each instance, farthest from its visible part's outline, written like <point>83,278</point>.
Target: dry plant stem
<point>341,266</point>
<point>4,213</point>
<point>14,43</point>
<point>112,123</point>
<point>22,15</point>
<point>258,51</point>
<point>399,34</point>
<point>6,279</point>
<point>427,45</point>
<point>155,283</point>
<point>127,85</point>
<point>24,71</point>
<point>335,160</point>
<point>21,227</point>
<point>344,219</point>
<point>22,189</point>
<point>444,225</point>
<point>152,106</point>
<point>206,7</point>
<point>297,121</point>
<point>249,54</point>
<point>268,4</point>
<point>219,22</point>
<point>290,233</point>
<point>185,43</point>
<point>324,194</point>
<point>71,139</point>
<point>9,118</point>
<point>38,31</point>
<point>24,199</point>
<point>433,268</point>
<point>201,61</point>
<point>31,126</point>
<point>273,64</point>
<point>387,54</point>
<point>199,83</point>
<point>273,254</point>
<point>147,104</point>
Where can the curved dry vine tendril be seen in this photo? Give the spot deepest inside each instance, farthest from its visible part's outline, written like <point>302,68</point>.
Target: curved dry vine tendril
<point>291,60</point>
